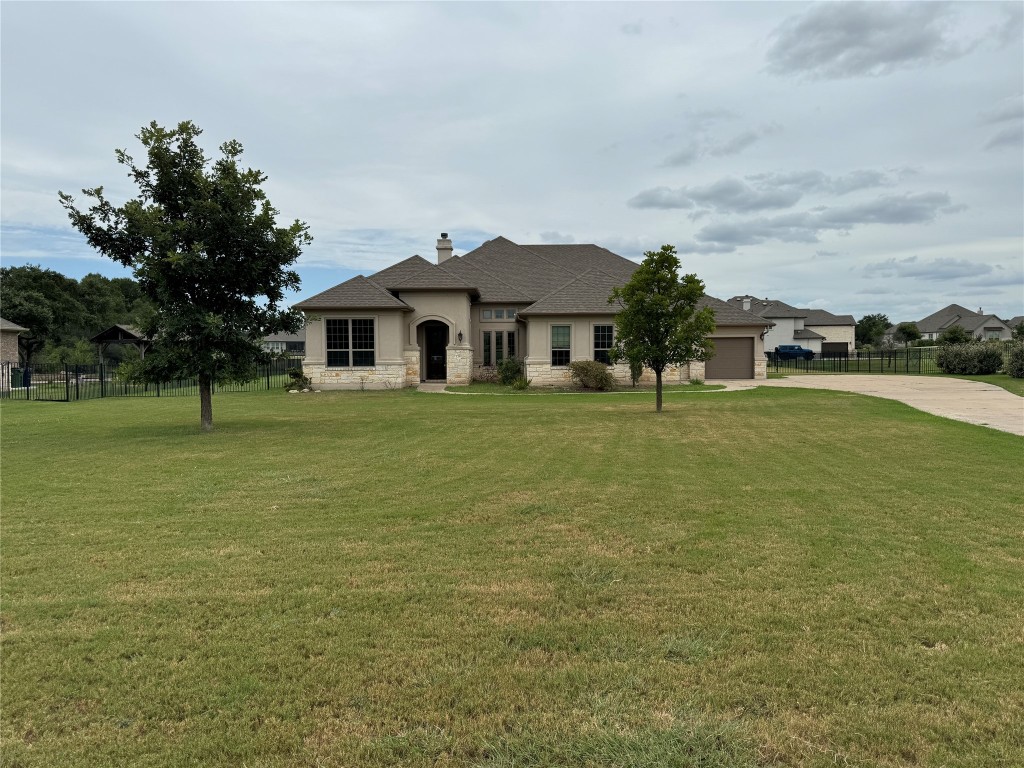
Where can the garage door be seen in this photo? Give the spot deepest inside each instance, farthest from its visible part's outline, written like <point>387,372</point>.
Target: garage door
<point>835,349</point>
<point>734,359</point>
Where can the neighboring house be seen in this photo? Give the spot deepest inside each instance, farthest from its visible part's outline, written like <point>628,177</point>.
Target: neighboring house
<point>978,324</point>
<point>9,341</point>
<point>8,351</point>
<point>813,329</point>
<point>294,344</point>
<point>453,321</point>
<point>1013,322</point>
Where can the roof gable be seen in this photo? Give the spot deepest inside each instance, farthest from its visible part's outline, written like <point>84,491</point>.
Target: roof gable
<point>491,287</point>
<point>396,273</point>
<point>521,268</point>
<point>357,293</point>
<point>585,295</point>
<point>7,325</point>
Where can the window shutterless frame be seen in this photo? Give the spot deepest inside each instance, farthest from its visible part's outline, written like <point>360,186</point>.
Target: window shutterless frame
<point>350,342</point>
<point>561,336</point>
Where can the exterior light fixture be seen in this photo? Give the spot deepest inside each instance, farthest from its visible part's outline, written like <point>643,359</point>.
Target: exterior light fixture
<point>460,337</point>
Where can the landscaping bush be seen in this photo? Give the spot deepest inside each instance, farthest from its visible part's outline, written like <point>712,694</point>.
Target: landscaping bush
<point>521,383</point>
<point>1014,363</point>
<point>972,358</point>
<point>509,370</point>
<point>591,374</point>
<point>298,380</point>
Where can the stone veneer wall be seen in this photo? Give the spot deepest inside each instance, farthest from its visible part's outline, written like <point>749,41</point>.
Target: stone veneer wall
<point>412,367</point>
<point>460,365</point>
<point>543,374</point>
<point>388,375</point>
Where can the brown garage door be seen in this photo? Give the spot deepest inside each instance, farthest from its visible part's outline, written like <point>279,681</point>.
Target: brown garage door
<point>733,359</point>
<point>834,349</point>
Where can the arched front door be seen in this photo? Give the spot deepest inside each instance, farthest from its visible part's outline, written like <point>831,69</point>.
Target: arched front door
<point>435,344</point>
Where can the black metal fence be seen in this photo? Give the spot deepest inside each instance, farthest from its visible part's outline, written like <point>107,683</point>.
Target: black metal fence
<point>897,360</point>
<point>64,383</point>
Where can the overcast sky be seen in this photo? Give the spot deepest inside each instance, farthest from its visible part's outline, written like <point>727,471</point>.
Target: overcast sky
<point>855,157</point>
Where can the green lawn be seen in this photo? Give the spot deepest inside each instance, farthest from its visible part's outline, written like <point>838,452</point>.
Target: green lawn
<point>769,577</point>
<point>493,388</point>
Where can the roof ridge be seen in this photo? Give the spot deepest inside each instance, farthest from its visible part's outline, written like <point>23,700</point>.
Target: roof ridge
<point>486,272</point>
<point>566,284</point>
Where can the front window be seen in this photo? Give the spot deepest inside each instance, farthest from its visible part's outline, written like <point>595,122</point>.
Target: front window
<point>487,347</point>
<point>349,342</point>
<point>498,352</point>
<point>560,344</point>
<point>603,343</point>
<point>511,344</point>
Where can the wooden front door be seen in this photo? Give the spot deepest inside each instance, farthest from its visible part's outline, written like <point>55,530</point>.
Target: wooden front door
<point>436,343</point>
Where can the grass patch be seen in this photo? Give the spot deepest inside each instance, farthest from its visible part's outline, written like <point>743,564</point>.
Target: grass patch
<point>407,579</point>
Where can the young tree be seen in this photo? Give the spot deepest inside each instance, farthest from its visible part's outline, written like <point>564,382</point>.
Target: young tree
<point>955,334</point>
<point>871,328</point>
<point>202,240</point>
<point>658,322</point>
<point>906,333</point>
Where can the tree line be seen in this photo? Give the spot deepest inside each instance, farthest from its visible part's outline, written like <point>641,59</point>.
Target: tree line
<point>62,313</point>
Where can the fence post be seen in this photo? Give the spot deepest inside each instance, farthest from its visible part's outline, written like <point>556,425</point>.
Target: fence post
<point>158,389</point>
<point>77,377</point>
<point>67,384</point>
<point>103,380</point>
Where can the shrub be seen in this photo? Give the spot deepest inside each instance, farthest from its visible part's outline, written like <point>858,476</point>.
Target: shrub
<point>1014,364</point>
<point>697,381</point>
<point>972,358</point>
<point>508,370</point>
<point>955,334</point>
<point>521,383</point>
<point>591,374</point>
<point>298,380</point>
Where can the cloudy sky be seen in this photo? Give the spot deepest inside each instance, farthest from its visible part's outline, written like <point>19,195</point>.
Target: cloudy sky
<point>860,157</point>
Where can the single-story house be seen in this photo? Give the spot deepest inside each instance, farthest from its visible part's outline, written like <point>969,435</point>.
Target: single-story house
<point>814,329</point>
<point>9,341</point>
<point>8,351</point>
<point>454,320</point>
<point>1013,322</point>
<point>978,324</point>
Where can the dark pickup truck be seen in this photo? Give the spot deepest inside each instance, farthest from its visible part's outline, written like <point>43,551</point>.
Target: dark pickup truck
<point>793,352</point>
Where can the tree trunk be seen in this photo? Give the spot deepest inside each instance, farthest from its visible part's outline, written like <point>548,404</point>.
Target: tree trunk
<point>206,401</point>
<point>657,390</point>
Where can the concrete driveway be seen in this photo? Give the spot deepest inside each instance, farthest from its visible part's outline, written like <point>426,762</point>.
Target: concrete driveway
<point>972,401</point>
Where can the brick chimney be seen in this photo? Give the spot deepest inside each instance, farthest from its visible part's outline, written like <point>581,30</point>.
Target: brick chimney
<point>444,248</point>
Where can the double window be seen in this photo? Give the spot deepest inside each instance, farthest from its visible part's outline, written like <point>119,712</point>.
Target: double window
<point>603,335</point>
<point>349,342</point>
<point>560,346</point>
<point>495,341</point>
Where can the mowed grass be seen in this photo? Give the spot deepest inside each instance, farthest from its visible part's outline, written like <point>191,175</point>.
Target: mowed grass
<point>758,578</point>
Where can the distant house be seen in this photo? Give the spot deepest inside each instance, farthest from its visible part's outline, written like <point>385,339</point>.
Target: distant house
<point>978,324</point>
<point>292,344</point>
<point>1013,322</point>
<point>9,341</point>
<point>813,329</point>
<point>456,319</point>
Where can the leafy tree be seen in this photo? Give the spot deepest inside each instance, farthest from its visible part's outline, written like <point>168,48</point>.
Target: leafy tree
<point>202,240</point>
<point>871,328</point>
<point>906,333</point>
<point>45,302</point>
<point>1018,331</point>
<point>658,322</point>
<point>955,334</point>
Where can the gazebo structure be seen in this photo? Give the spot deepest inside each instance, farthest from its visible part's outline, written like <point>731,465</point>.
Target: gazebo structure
<point>121,334</point>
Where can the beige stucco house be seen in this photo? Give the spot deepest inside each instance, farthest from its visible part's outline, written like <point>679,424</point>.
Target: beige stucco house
<point>977,324</point>
<point>454,320</point>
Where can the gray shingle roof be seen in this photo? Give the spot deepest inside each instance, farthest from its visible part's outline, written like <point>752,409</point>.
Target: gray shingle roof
<point>7,325</point>
<point>585,295</point>
<point>433,277</point>
<point>1013,322</point>
<point>728,314</point>
<point>531,273</point>
<point>580,258</point>
<point>357,293</point>
<point>821,317</point>
<point>947,317</point>
<point>403,270</point>
<point>492,288</point>
<point>803,333</point>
